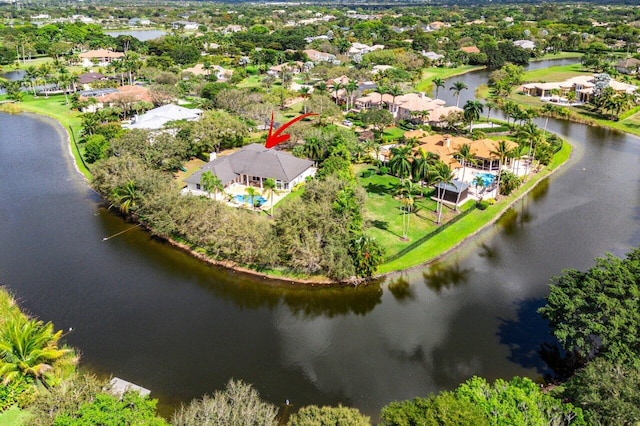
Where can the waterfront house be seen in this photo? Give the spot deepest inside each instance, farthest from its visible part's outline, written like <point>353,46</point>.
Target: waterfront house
<point>101,57</point>
<point>251,166</point>
<point>156,118</point>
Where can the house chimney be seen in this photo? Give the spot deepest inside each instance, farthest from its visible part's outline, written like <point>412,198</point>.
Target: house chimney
<point>447,141</point>
<point>422,95</point>
<point>213,156</point>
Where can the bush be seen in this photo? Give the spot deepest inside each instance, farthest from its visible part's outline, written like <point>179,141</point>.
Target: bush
<point>508,182</point>
<point>383,170</point>
<point>316,416</point>
<point>482,204</point>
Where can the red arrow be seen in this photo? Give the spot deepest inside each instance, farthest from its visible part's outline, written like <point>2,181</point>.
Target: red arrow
<point>274,139</point>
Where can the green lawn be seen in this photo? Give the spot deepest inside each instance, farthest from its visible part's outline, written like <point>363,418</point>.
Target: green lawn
<point>392,133</point>
<point>428,241</point>
<point>383,213</point>
<point>426,85</point>
<point>558,73</point>
<point>251,81</point>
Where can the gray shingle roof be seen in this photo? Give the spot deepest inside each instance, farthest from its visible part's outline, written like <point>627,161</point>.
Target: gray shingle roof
<point>254,160</point>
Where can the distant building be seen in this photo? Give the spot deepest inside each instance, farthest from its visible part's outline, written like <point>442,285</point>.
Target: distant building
<point>628,66</point>
<point>185,25</point>
<point>525,44</point>
<point>470,49</point>
<point>155,119</point>
<point>101,57</point>
<point>316,56</point>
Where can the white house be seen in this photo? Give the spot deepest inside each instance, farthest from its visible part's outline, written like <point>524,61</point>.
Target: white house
<point>156,118</point>
<point>101,57</point>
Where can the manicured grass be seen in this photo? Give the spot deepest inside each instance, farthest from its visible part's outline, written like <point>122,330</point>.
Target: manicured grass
<point>454,233</point>
<point>251,81</point>
<point>426,85</point>
<point>558,73</point>
<point>392,133</point>
<point>561,55</point>
<point>384,215</point>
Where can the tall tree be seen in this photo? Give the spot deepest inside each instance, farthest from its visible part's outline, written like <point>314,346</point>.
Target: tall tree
<point>400,163</point>
<point>457,88</point>
<point>502,151</point>
<point>211,182</point>
<point>438,83</point>
<point>270,190</point>
<point>472,111</point>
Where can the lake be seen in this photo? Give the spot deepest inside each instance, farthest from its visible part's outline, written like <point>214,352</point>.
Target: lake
<point>148,313</point>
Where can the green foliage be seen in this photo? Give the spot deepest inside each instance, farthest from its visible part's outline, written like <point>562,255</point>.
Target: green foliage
<point>64,399</point>
<point>238,405</point>
<point>367,254</point>
<point>313,415</point>
<point>218,130</point>
<point>29,350</point>
<point>17,392</point>
<point>509,182</point>
<point>442,409</point>
<point>109,410</point>
<point>518,402</point>
<point>608,392</point>
<point>95,148</point>
<point>597,312</point>
<point>482,204</point>
<point>378,118</point>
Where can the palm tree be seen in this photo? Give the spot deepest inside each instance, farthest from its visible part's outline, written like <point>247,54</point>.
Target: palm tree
<point>29,348</point>
<point>532,133</point>
<point>252,193</point>
<point>321,88</point>
<point>399,163</point>
<point>438,83</point>
<point>404,190</point>
<point>491,105</point>
<point>472,111</point>
<point>423,163</point>
<point>211,182</point>
<point>444,177</point>
<point>270,190</point>
<point>336,89</point>
<point>457,88</point>
<point>394,91</point>
<point>127,196</point>
<point>351,88</point>
<point>502,151</point>
<point>465,155</point>
<point>31,73</point>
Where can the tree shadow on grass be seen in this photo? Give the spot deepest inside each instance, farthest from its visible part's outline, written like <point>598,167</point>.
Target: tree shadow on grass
<point>378,189</point>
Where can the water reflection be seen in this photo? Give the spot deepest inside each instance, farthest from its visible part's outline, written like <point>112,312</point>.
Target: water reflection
<point>441,276</point>
<point>491,254</point>
<point>401,289</point>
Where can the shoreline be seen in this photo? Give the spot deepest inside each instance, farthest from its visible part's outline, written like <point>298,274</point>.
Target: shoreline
<point>283,279</point>
<point>289,280</point>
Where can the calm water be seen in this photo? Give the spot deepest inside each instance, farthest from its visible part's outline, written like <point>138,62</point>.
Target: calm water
<point>142,35</point>
<point>150,314</point>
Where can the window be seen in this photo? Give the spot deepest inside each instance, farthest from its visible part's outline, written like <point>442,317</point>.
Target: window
<point>197,186</point>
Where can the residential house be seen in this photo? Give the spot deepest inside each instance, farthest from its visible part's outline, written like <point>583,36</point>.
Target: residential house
<point>525,44</point>
<point>361,49</point>
<point>434,57</point>
<point>293,67</point>
<point>222,74</point>
<point>185,25</point>
<point>470,49</point>
<point>316,56</point>
<point>582,85</point>
<point>156,118</point>
<point>115,97</point>
<point>628,66</point>
<point>446,146</point>
<point>251,166</point>
<point>100,57</point>
<point>87,78</point>
<point>139,22</point>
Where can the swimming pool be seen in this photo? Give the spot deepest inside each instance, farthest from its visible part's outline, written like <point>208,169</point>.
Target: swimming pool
<point>258,199</point>
<point>487,178</point>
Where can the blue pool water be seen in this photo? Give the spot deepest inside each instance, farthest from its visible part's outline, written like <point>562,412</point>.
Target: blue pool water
<point>258,199</point>
<point>487,178</point>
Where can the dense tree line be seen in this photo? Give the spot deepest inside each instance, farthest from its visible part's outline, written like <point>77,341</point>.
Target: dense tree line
<point>319,233</point>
